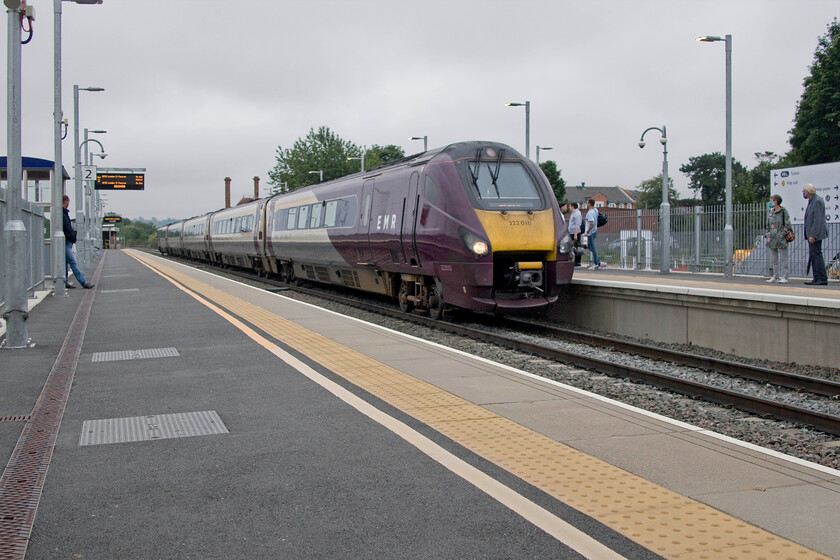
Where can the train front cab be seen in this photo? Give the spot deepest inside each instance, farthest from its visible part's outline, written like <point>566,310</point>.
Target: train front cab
<point>516,252</point>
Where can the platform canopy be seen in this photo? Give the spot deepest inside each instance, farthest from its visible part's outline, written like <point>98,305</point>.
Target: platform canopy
<point>37,168</point>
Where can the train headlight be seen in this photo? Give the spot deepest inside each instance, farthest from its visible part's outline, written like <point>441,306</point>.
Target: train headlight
<point>565,245</point>
<point>474,243</point>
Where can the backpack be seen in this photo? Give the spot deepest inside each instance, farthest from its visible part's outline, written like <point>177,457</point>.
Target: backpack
<point>602,219</point>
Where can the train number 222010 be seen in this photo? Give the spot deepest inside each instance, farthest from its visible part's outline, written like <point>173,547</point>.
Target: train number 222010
<point>519,223</point>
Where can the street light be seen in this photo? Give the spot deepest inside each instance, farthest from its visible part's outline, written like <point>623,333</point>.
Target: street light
<point>15,238</point>
<point>728,232</point>
<point>91,195</point>
<point>665,207</point>
<point>361,159</point>
<point>425,140</point>
<point>81,224</point>
<point>320,175</point>
<point>527,106</point>
<point>538,152</point>
<point>56,214</point>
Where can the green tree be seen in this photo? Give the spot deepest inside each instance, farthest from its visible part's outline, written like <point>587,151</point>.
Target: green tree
<point>759,176</point>
<point>137,233</point>
<point>707,176</point>
<point>650,196</point>
<point>323,151</point>
<point>558,184</point>
<point>815,137</point>
<point>378,155</point>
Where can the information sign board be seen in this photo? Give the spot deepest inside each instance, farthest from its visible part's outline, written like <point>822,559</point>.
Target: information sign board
<point>112,219</point>
<point>788,184</point>
<point>120,181</point>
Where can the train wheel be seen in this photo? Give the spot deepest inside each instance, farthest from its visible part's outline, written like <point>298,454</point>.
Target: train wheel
<point>405,305</point>
<point>436,304</point>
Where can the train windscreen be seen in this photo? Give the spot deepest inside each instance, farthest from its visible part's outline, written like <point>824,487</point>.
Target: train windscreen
<point>500,185</point>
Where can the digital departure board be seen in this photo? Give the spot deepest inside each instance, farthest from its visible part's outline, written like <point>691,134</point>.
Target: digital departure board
<point>112,219</point>
<point>119,181</point>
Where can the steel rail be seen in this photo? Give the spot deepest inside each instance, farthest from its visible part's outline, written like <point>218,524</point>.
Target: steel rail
<point>795,381</point>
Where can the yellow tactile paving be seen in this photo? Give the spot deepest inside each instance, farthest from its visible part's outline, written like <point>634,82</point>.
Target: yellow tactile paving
<point>661,520</point>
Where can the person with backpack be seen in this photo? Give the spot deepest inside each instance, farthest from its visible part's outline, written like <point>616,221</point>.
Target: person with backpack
<point>591,234</point>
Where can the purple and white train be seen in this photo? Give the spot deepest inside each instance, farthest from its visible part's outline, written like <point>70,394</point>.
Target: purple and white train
<point>473,225</point>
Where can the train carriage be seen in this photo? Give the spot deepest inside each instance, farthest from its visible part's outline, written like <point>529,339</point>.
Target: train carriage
<point>472,225</point>
<point>236,235</point>
<point>161,240</point>
<point>196,238</point>
<point>174,240</point>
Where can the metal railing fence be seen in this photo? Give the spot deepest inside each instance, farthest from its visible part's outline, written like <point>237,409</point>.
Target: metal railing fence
<point>631,240</point>
<point>38,235</point>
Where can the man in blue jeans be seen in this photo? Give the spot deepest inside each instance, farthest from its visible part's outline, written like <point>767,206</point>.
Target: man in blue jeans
<point>591,233</point>
<point>69,241</point>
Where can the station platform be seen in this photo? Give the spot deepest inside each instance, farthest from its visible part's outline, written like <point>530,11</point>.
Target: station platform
<point>740,315</point>
<point>171,413</point>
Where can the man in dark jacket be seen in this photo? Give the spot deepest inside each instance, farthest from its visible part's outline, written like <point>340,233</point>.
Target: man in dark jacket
<point>69,241</point>
<point>815,232</point>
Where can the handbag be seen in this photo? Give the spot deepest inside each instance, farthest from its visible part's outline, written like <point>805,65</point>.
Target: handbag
<point>790,236</point>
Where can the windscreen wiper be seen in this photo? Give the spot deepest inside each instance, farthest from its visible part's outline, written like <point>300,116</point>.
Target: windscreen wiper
<point>477,171</point>
<point>495,176</point>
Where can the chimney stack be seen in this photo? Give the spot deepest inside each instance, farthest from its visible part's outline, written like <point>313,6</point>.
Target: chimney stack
<point>227,192</point>
<point>256,188</point>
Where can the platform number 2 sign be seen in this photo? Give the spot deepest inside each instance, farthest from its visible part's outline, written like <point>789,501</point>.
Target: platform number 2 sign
<point>89,172</point>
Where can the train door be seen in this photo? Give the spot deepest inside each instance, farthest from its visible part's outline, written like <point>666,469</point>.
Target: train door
<point>364,253</point>
<point>408,235</point>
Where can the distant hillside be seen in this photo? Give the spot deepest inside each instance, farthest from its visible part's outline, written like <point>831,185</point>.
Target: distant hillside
<point>157,223</point>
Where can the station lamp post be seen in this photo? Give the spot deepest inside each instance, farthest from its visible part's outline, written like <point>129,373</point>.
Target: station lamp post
<point>665,207</point>
<point>728,231</point>
<point>527,106</point>
<point>320,174</point>
<point>59,272</point>
<point>425,140</point>
<point>81,224</point>
<point>90,196</point>
<point>538,152</point>
<point>361,159</point>
<point>15,239</point>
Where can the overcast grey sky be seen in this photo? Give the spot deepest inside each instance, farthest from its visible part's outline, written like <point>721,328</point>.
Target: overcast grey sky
<point>197,90</point>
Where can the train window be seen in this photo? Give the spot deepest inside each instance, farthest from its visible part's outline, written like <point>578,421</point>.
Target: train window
<point>315,218</point>
<point>503,186</point>
<point>431,191</point>
<point>340,212</point>
<point>303,217</point>
<point>292,218</point>
<point>329,213</point>
<point>280,218</point>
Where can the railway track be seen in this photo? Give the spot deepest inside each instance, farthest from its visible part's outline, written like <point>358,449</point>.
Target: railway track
<point>757,405</point>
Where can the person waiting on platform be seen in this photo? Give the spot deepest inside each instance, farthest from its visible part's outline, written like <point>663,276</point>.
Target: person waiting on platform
<point>591,233</point>
<point>575,222</point>
<point>69,241</point>
<point>778,229</point>
<point>815,232</point>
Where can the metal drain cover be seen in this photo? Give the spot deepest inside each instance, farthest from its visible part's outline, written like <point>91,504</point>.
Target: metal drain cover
<point>152,427</point>
<point>119,355</point>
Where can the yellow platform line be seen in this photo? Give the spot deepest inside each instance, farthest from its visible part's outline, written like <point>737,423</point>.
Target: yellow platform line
<point>659,519</point>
